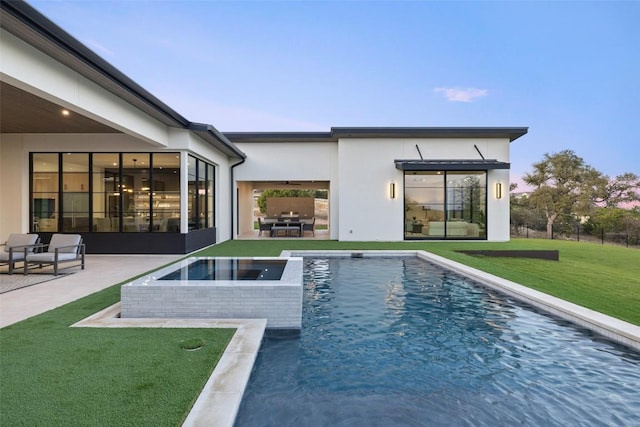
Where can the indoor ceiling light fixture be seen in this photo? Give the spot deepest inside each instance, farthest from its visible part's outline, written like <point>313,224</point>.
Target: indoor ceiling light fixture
<point>65,112</point>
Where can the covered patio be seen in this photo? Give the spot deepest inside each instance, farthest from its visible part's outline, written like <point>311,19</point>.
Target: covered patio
<point>283,209</point>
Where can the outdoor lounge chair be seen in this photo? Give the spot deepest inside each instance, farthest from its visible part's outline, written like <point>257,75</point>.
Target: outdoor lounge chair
<point>62,248</point>
<point>16,247</point>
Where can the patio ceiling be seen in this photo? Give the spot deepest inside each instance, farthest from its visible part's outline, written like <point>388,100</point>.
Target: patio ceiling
<point>23,112</point>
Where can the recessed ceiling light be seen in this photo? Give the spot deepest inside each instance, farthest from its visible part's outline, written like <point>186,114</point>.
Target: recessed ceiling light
<point>65,112</point>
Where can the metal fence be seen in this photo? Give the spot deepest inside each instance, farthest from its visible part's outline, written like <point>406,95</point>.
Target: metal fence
<point>630,239</point>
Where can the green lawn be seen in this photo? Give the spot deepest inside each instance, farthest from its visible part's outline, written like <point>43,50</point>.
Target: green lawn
<point>55,375</point>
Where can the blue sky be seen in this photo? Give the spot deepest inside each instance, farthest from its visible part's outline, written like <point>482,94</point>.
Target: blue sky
<point>567,70</point>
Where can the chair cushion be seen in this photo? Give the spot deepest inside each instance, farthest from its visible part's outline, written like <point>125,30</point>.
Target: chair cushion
<point>50,257</point>
<point>18,255</point>
<point>60,240</point>
<point>20,240</point>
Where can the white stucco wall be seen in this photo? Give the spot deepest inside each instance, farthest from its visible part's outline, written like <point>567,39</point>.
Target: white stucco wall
<point>294,161</point>
<point>366,168</point>
<point>244,205</point>
<point>14,203</point>
<point>498,221</point>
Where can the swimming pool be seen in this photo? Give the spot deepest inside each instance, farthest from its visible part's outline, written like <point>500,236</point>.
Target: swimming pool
<point>402,342</point>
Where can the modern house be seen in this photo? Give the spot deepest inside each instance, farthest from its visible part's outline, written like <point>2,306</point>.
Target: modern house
<point>84,149</point>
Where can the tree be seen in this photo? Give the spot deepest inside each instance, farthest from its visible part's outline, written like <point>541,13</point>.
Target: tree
<point>625,223</point>
<point>564,185</point>
<point>623,188</point>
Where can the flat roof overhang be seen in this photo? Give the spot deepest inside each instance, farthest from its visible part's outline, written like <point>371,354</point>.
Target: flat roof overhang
<point>450,165</point>
<point>510,133</point>
<point>217,139</point>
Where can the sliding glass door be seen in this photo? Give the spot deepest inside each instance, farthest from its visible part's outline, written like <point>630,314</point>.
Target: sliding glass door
<point>445,204</point>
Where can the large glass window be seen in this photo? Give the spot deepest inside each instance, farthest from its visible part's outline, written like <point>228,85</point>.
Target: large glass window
<point>45,191</point>
<point>445,204</point>
<point>75,192</point>
<point>201,194</point>
<point>106,192</point>
<point>166,192</point>
<point>136,194</point>
<point>210,197</point>
<point>192,176</point>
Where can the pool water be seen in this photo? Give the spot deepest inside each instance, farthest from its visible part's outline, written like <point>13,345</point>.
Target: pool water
<point>229,269</point>
<point>401,342</point>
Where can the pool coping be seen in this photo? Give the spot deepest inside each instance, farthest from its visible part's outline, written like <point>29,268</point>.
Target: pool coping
<point>220,398</point>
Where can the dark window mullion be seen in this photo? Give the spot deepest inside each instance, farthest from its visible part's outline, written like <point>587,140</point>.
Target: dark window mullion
<point>207,208</point>
<point>60,211</point>
<point>196,198</point>
<point>151,186</point>
<point>214,195</point>
<point>120,194</point>
<point>446,205</point>
<point>91,228</point>
<point>31,198</point>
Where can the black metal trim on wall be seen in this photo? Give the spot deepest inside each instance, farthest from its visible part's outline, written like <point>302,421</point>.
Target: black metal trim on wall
<point>144,243</point>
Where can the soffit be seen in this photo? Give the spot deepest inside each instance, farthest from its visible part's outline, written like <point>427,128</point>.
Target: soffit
<point>23,112</point>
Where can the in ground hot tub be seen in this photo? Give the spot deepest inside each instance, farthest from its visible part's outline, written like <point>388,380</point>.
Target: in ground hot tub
<point>225,288</point>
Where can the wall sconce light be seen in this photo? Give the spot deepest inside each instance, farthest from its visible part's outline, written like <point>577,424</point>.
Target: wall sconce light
<point>392,190</point>
<point>498,190</point>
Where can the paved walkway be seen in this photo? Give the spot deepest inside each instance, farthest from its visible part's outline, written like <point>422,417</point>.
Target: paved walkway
<point>101,271</point>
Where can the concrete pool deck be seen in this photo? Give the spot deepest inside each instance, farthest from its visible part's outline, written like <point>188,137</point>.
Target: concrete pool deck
<point>220,399</point>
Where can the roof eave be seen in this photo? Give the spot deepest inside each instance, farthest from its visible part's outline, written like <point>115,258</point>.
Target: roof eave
<point>265,137</point>
<point>217,139</point>
<point>512,133</point>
